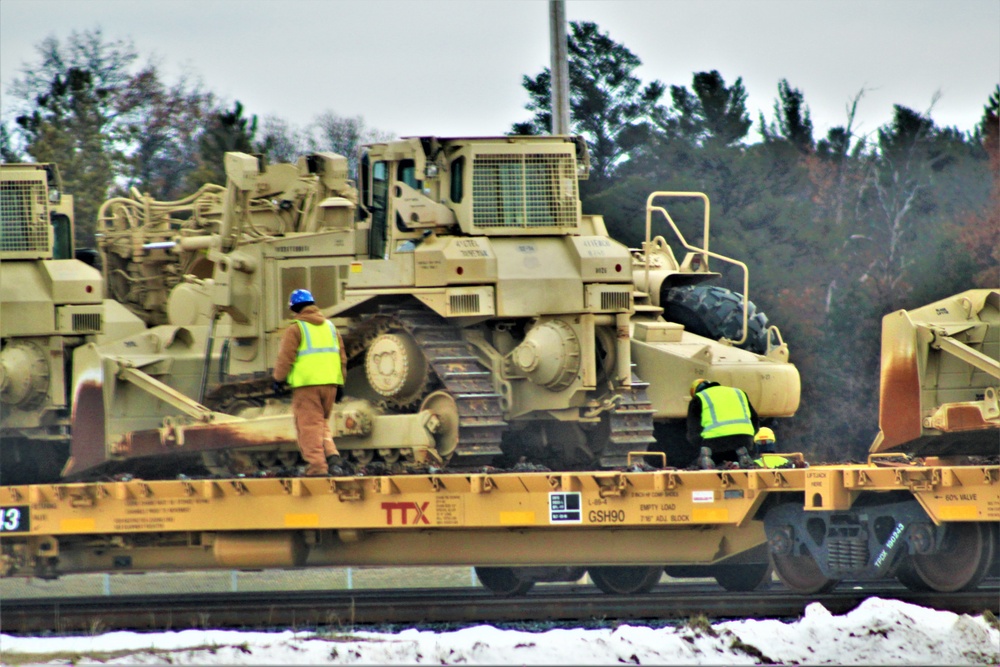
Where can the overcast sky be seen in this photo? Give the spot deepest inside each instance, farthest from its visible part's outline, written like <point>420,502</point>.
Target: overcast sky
<point>454,67</point>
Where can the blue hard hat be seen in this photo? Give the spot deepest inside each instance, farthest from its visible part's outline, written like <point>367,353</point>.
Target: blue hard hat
<point>300,296</point>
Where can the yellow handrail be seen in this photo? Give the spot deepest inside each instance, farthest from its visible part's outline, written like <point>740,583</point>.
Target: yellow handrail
<point>703,251</point>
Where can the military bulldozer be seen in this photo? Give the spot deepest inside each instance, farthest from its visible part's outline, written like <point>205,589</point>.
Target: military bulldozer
<point>52,303</point>
<point>487,320</point>
<point>940,378</point>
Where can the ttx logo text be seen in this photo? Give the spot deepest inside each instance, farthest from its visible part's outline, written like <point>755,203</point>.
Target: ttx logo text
<point>409,513</point>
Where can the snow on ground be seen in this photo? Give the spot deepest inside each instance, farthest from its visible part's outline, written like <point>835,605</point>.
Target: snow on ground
<point>877,632</point>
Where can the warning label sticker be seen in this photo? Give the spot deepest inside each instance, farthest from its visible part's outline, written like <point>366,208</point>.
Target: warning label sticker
<point>703,496</point>
<point>565,507</point>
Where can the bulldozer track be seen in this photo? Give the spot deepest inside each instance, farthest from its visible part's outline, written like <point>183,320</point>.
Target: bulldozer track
<point>631,425</point>
<point>480,409</point>
<point>459,371</point>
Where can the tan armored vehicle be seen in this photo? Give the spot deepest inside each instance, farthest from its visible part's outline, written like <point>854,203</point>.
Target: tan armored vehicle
<point>487,320</point>
<point>941,377</point>
<point>51,304</point>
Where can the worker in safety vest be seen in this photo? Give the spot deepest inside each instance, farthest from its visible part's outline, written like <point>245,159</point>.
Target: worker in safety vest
<point>722,421</point>
<point>312,359</point>
<point>766,456</point>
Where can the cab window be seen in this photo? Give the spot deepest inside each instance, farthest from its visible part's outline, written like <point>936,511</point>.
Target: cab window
<point>379,206</point>
<point>457,172</point>
<point>406,171</point>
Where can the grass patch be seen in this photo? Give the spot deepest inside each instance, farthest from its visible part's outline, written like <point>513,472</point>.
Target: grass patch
<point>701,625</point>
<point>737,644</point>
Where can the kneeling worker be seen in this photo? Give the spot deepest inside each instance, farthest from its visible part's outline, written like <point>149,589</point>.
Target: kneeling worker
<point>766,456</point>
<point>722,421</point>
<point>312,359</point>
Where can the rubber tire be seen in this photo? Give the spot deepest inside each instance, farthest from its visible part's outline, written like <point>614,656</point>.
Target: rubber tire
<point>715,312</point>
<point>503,581</point>
<point>625,580</point>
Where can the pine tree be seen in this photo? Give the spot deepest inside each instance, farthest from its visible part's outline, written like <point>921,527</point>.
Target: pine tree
<point>609,106</point>
<point>227,130</point>
<point>8,151</point>
<point>68,127</point>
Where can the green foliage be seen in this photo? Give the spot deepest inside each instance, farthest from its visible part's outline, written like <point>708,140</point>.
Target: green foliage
<point>68,127</point>
<point>711,113</point>
<point>280,141</point>
<point>9,153</point>
<point>792,124</point>
<point>609,106</point>
<point>227,130</point>
<point>84,105</point>
<point>162,129</point>
<point>837,232</point>
<point>69,104</point>
<point>344,135</point>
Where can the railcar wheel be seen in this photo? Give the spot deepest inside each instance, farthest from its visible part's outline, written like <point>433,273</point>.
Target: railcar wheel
<point>743,576</point>
<point>801,574</point>
<point>626,580</point>
<point>503,581</point>
<point>966,555</point>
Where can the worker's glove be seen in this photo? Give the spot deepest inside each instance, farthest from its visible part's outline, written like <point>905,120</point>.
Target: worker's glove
<point>279,388</point>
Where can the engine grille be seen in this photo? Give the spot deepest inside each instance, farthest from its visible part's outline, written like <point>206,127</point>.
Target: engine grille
<point>532,190</point>
<point>24,225</point>
<point>615,301</point>
<point>86,322</point>
<point>464,304</point>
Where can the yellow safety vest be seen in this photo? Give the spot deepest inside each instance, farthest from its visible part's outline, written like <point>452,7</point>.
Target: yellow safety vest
<point>724,411</point>
<point>318,359</point>
<point>773,461</point>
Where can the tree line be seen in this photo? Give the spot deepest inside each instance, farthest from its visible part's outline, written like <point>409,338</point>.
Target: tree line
<point>113,124</point>
<point>837,230</point>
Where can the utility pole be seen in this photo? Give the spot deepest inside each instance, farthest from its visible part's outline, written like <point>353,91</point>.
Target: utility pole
<point>559,68</point>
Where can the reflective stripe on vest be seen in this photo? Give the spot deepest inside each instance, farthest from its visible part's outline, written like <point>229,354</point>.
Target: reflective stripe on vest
<point>318,359</point>
<point>724,411</point>
<point>773,461</point>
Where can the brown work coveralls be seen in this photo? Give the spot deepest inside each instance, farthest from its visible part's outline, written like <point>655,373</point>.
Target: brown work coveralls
<point>311,405</point>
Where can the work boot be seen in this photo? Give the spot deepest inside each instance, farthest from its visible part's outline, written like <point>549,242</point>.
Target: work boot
<point>705,459</point>
<point>744,456</point>
<point>338,466</point>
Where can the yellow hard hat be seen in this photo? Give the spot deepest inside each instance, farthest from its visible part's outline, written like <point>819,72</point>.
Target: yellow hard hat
<point>697,383</point>
<point>764,435</point>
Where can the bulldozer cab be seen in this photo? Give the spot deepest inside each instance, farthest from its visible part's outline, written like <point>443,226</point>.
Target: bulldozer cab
<point>36,217</point>
<point>384,182</point>
<point>414,188</point>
